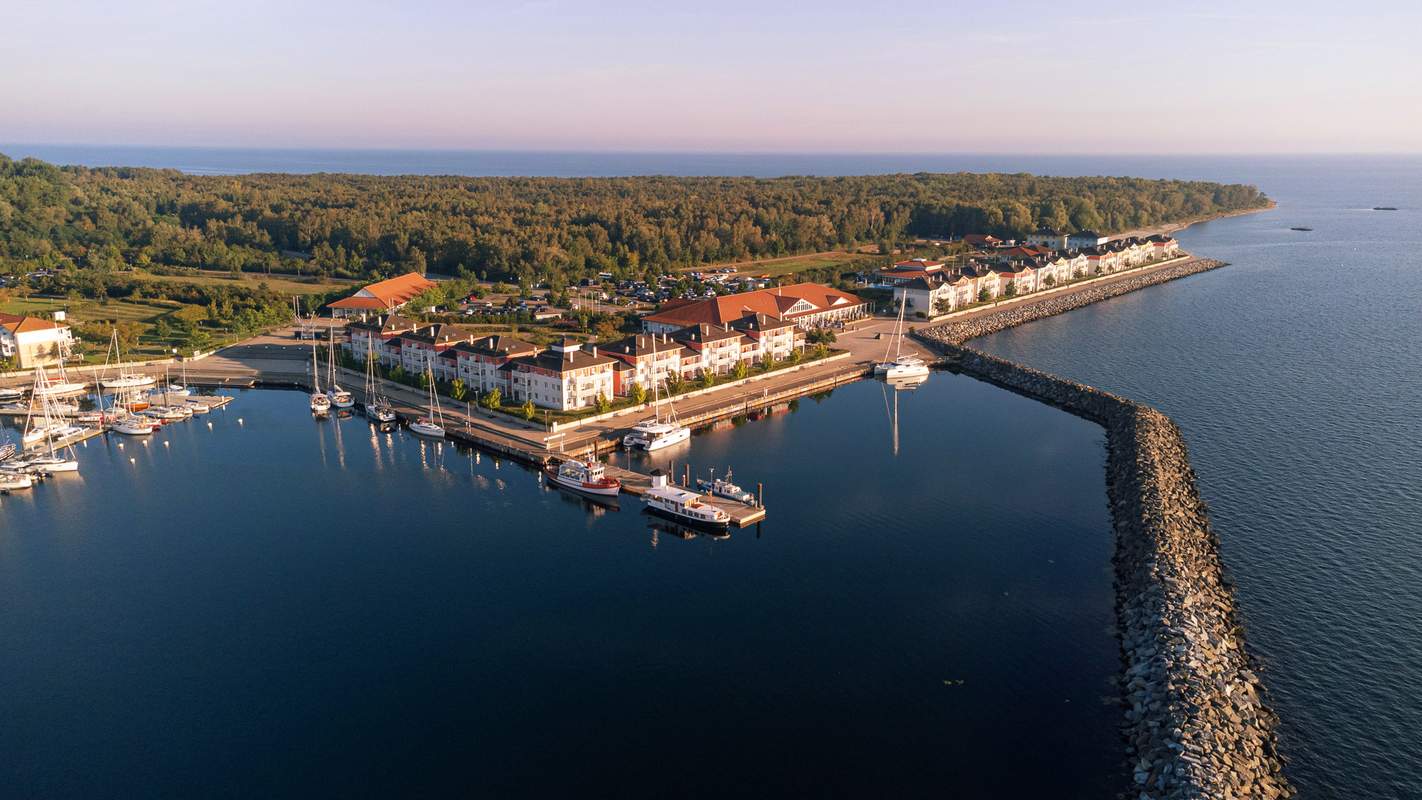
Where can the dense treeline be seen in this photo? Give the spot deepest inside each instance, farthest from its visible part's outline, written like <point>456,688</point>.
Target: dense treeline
<point>526,229</point>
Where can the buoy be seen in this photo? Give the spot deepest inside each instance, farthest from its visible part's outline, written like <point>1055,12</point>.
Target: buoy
<point>239,420</point>
<point>165,444</point>
<point>133,460</point>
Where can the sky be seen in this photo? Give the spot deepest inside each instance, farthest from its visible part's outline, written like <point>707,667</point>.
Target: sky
<point>725,76</point>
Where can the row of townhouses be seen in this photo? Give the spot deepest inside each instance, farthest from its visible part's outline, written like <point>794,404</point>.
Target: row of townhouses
<point>570,375</point>
<point>932,287</point>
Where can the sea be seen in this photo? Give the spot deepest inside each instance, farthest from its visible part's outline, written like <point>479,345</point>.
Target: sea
<point>278,606</point>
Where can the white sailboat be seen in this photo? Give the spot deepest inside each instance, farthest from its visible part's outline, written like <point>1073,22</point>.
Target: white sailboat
<point>320,403</point>
<point>340,398</point>
<point>377,407</point>
<point>40,422</point>
<point>60,386</point>
<point>433,424</point>
<point>901,366</point>
<point>654,434</point>
<point>124,381</point>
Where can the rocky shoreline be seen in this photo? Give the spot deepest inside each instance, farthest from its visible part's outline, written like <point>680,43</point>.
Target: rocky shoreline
<point>1196,721</point>
<point>958,332</point>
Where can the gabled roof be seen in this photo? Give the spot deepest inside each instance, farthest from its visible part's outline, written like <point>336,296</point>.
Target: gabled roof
<point>388,293</point>
<point>565,361</point>
<point>17,324</point>
<point>788,302</point>
<point>386,323</point>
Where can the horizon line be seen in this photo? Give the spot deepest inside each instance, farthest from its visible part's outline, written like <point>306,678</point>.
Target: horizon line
<point>728,152</point>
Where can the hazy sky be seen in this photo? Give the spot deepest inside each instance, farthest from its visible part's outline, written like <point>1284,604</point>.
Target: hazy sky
<point>879,76</point>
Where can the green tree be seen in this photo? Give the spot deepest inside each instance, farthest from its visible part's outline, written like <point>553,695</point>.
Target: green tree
<point>458,390</point>
<point>739,371</point>
<point>527,410</point>
<point>708,379</point>
<point>637,394</point>
<point>767,362</point>
<point>796,356</point>
<point>397,374</point>
<point>820,350</point>
<point>494,400</point>
<point>602,404</point>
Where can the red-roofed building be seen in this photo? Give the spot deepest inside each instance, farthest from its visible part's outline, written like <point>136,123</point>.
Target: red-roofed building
<point>32,342</point>
<point>382,297</point>
<point>808,305</point>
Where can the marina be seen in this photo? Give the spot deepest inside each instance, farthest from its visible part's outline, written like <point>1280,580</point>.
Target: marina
<point>342,538</point>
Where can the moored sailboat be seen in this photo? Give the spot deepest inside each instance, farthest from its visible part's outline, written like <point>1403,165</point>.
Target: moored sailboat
<point>902,365</point>
<point>431,425</point>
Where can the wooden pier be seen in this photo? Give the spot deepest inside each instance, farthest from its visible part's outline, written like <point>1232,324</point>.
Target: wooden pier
<point>636,483</point>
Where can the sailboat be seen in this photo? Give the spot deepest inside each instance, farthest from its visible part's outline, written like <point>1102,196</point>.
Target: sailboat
<point>654,434</point>
<point>377,408</point>
<point>320,403</point>
<point>340,398</point>
<point>433,424</point>
<point>901,366</point>
<point>41,427</point>
<point>61,386</point>
<point>124,380</point>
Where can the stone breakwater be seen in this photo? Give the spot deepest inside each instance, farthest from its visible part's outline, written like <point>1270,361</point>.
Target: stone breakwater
<point>1196,721</point>
<point>958,332</point>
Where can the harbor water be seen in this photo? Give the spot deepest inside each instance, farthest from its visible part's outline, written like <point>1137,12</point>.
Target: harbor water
<point>259,604</point>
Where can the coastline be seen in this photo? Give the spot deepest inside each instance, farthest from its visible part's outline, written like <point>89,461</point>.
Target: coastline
<point>1176,227</point>
<point>1196,719</point>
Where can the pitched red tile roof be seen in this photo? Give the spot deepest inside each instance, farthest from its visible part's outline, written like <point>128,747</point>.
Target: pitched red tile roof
<point>775,302</point>
<point>387,293</point>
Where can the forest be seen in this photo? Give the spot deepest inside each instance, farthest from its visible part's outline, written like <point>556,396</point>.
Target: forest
<point>529,230</point>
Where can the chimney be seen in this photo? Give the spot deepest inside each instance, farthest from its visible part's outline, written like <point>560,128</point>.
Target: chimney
<point>594,351</point>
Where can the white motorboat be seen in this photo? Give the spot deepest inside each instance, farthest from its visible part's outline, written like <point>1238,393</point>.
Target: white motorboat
<point>132,425</point>
<point>11,481</point>
<point>683,505</point>
<point>901,365</point>
<point>589,477</point>
<point>723,487</point>
<point>198,408</point>
<point>7,394</point>
<point>654,434</point>
<point>174,390</point>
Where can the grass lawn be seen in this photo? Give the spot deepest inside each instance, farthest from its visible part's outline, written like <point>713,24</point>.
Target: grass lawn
<point>282,284</point>
<point>145,313</point>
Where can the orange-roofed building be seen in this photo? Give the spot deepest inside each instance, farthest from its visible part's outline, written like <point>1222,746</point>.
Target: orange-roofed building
<point>383,297</point>
<point>32,341</point>
<point>808,305</point>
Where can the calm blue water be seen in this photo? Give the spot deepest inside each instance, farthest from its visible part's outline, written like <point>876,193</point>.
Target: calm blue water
<point>276,607</point>
<point>1296,375</point>
<point>229,161</point>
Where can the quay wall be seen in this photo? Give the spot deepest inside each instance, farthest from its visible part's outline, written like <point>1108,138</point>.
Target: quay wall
<point>959,331</point>
<point>1196,721</point>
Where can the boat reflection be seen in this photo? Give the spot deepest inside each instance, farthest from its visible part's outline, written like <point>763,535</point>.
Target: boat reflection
<point>593,504</point>
<point>660,525</point>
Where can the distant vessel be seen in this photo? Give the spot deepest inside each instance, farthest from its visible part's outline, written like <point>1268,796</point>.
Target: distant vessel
<point>902,366</point>
<point>588,477</point>
<point>683,505</point>
<point>1384,208</point>
<point>1300,228</point>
